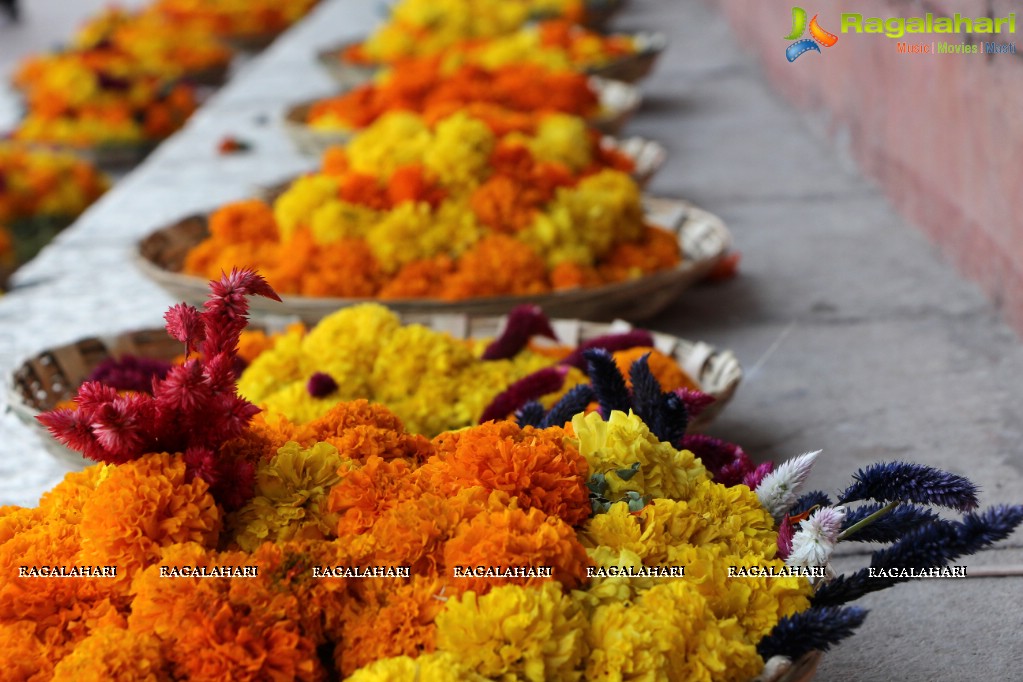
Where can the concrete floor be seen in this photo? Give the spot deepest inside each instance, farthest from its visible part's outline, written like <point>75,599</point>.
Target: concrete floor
<point>855,336</point>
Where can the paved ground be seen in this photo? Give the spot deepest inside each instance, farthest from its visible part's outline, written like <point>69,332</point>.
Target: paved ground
<point>856,338</point>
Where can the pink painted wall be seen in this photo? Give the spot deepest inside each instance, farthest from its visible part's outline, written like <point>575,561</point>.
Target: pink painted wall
<point>941,134</point>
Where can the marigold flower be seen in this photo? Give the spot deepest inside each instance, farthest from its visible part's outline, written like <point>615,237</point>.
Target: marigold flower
<point>615,446</point>
<point>535,467</point>
<point>516,537</point>
<point>155,507</point>
<point>515,632</point>
<point>290,497</point>
<point>438,666</point>
<point>111,653</point>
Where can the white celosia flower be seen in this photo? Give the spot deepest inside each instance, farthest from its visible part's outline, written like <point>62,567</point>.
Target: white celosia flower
<point>815,540</point>
<point>779,489</point>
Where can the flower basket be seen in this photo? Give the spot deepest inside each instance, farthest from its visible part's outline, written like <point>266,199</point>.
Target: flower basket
<point>116,156</point>
<point>635,67</point>
<point>210,77</point>
<point>628,69</point>
<point>801,670</point>
<point>54,375</point>
<point>702,236</point>
<point>252,42</point>
<point>31,234</point>
<point>618,102</point>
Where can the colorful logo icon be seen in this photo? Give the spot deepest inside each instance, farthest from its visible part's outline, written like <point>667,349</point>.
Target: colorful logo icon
<point>818,35</point>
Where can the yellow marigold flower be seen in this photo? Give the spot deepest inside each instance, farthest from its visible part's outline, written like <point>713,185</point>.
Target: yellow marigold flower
<point>396,139</point>
<point>670,633</point>
<point>624,440</point>
<point>300,202</point>
<point>514,632</point>
<point>294,402</point>
<point>111,654</point>
<point>290,499</point>
<point>413,231</point>
<point>273,369</point>
<point>155,506</point>
<point>345,345</point>
<point>412,352</point>
<point>336,220</point>
<point>460,151</point>
<point>436,667</point>
<point>562,138</point>
<point>731,516</point>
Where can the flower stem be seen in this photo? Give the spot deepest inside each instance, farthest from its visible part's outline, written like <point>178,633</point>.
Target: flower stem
<point>863,523</point>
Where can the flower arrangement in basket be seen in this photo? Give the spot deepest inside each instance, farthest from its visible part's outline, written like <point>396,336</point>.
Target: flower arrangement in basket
<point>422,86</point>
<point>236,20</point>
<point>433,381</point>
<point>158,44</point>
<point>211,544</point>
<point>41,192</point>
<point>447,211</point>
<point>98,98</point>
<point>426,27</point>
<point>555,45</point>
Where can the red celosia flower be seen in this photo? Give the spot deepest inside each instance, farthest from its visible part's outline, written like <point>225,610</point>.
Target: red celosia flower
<point>194,409</point>
<point>524,322</point>
<point>531,387</point>
<point>185,324</point>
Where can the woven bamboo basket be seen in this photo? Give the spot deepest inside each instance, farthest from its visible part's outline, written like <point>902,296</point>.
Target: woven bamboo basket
<point>54,375</point>
<point>112,156</point>
<point>702,236</point>
<point>628,69</point>
<point>210,77</point>
<point>618,101</point>
<point>252,42</point>
<point>635,67</point>
<point>780,669</point>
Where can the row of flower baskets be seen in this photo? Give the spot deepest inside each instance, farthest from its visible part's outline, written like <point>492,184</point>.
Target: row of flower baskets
<point>125,81</point>
<point>576,542</point>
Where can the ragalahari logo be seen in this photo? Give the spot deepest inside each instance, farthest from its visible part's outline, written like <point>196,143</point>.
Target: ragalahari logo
<point>818,35</point>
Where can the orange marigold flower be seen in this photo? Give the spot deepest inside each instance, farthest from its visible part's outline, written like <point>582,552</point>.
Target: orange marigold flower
<point>155,506</point>
<point>516,537</point>
<point>335,161</point>
<point>114,654</point>
<point>413,532</point>
<point>398,621</point>
<point>360,429</point>
<point>664,368</point>
<point>506,205</point>
<point>365,492</point>
<point>658,250</point>
<point>410,183</point>
<point>241,221</point>
<point>533,466</point>
<point>228,644</point>
<point>419,279</point>
<point>568,275</point>
<point>497,265</point>
<point>26,658</point>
